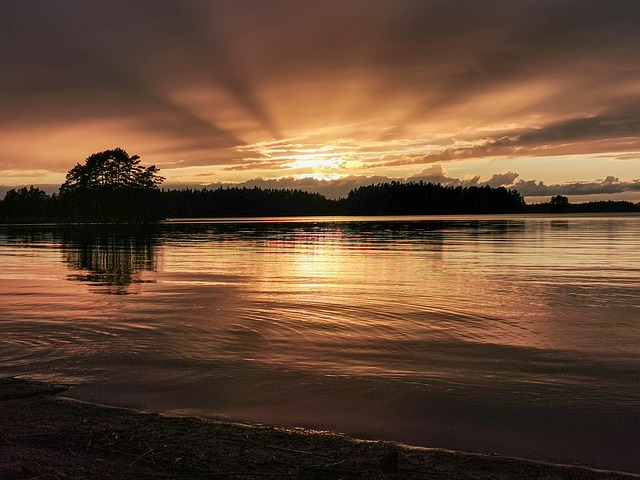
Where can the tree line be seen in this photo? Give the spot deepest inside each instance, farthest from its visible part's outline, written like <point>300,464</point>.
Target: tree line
<point>426,198</point>
<point>561,204</point>
<point>33,204</point>
<point>112,186</point>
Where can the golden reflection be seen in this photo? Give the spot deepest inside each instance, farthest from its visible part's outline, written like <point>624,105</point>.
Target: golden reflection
<point>312,284</point>
<point>315,257</point>
<point>111,259</point>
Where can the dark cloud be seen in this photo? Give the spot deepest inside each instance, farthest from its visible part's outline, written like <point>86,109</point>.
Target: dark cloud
<point>209,76</point>
<point>436,174</point>
<point>598,127</point>
<point>610,185</point>
<point>609,132</point>
<point>502,179</point>
<point>341,187</point>
<point>331,189</point>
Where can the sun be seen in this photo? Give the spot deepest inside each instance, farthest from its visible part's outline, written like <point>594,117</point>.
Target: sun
<point>317,165</point>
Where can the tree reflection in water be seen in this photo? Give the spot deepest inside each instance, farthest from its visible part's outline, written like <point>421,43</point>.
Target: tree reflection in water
<point>111,257</point>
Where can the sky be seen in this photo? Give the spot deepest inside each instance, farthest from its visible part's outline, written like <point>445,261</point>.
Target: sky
<point>325,95</point>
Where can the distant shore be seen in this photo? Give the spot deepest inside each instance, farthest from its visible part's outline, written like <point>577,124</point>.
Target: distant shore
<point>47,436</point>
<point>336,218</point>
<point>100,203</point>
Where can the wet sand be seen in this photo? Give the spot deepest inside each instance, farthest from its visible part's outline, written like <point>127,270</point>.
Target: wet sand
<point>45,436</point>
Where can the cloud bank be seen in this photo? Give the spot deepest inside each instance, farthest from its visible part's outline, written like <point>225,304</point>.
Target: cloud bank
<point>436,174</point>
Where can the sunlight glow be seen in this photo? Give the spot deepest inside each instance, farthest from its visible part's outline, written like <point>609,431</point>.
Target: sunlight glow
<point>317,162</point>
<point>320,163</point>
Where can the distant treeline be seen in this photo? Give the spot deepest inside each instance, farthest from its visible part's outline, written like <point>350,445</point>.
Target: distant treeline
<point>244,202</point>
<point>395,198</point>
<point>32,205</point>
<point>604,206</point>
<point>420,198</point>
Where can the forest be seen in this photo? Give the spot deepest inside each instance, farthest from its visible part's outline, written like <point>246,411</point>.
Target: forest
<point>34,205</point>
<point>113,187</point>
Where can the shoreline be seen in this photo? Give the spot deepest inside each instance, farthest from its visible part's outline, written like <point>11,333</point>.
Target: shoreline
<point>30,221</point>
<point>45,435</point>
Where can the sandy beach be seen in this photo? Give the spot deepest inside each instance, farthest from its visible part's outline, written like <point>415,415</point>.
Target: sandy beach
<point>46,436</point>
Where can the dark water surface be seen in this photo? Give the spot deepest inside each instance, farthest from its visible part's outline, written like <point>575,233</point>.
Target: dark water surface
<point>514,334</point>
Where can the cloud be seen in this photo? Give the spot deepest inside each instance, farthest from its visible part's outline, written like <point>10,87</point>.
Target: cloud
<point>338,188</point>
<point>388,84</point>
<point>597,127</point>
<point>502,179</point>
<point>24,173</point>
<point>610,132</point>
<point>608,185</point>
<point>260,165</point>
<point>628,156</point>
<point>436,174</point>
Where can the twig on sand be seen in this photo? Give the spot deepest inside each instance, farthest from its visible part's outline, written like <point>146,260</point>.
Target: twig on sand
<point>142,456</point>
<point>70,451</point>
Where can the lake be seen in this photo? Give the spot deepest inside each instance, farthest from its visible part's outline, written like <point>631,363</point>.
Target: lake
<point>511,334</point>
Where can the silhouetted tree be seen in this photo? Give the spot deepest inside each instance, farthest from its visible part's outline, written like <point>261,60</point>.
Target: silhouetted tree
<point>111,186</point>
<point>113,169</point>
<point>559,204</point>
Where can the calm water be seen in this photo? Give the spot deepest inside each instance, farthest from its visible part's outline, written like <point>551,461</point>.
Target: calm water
<point>517,335</point>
